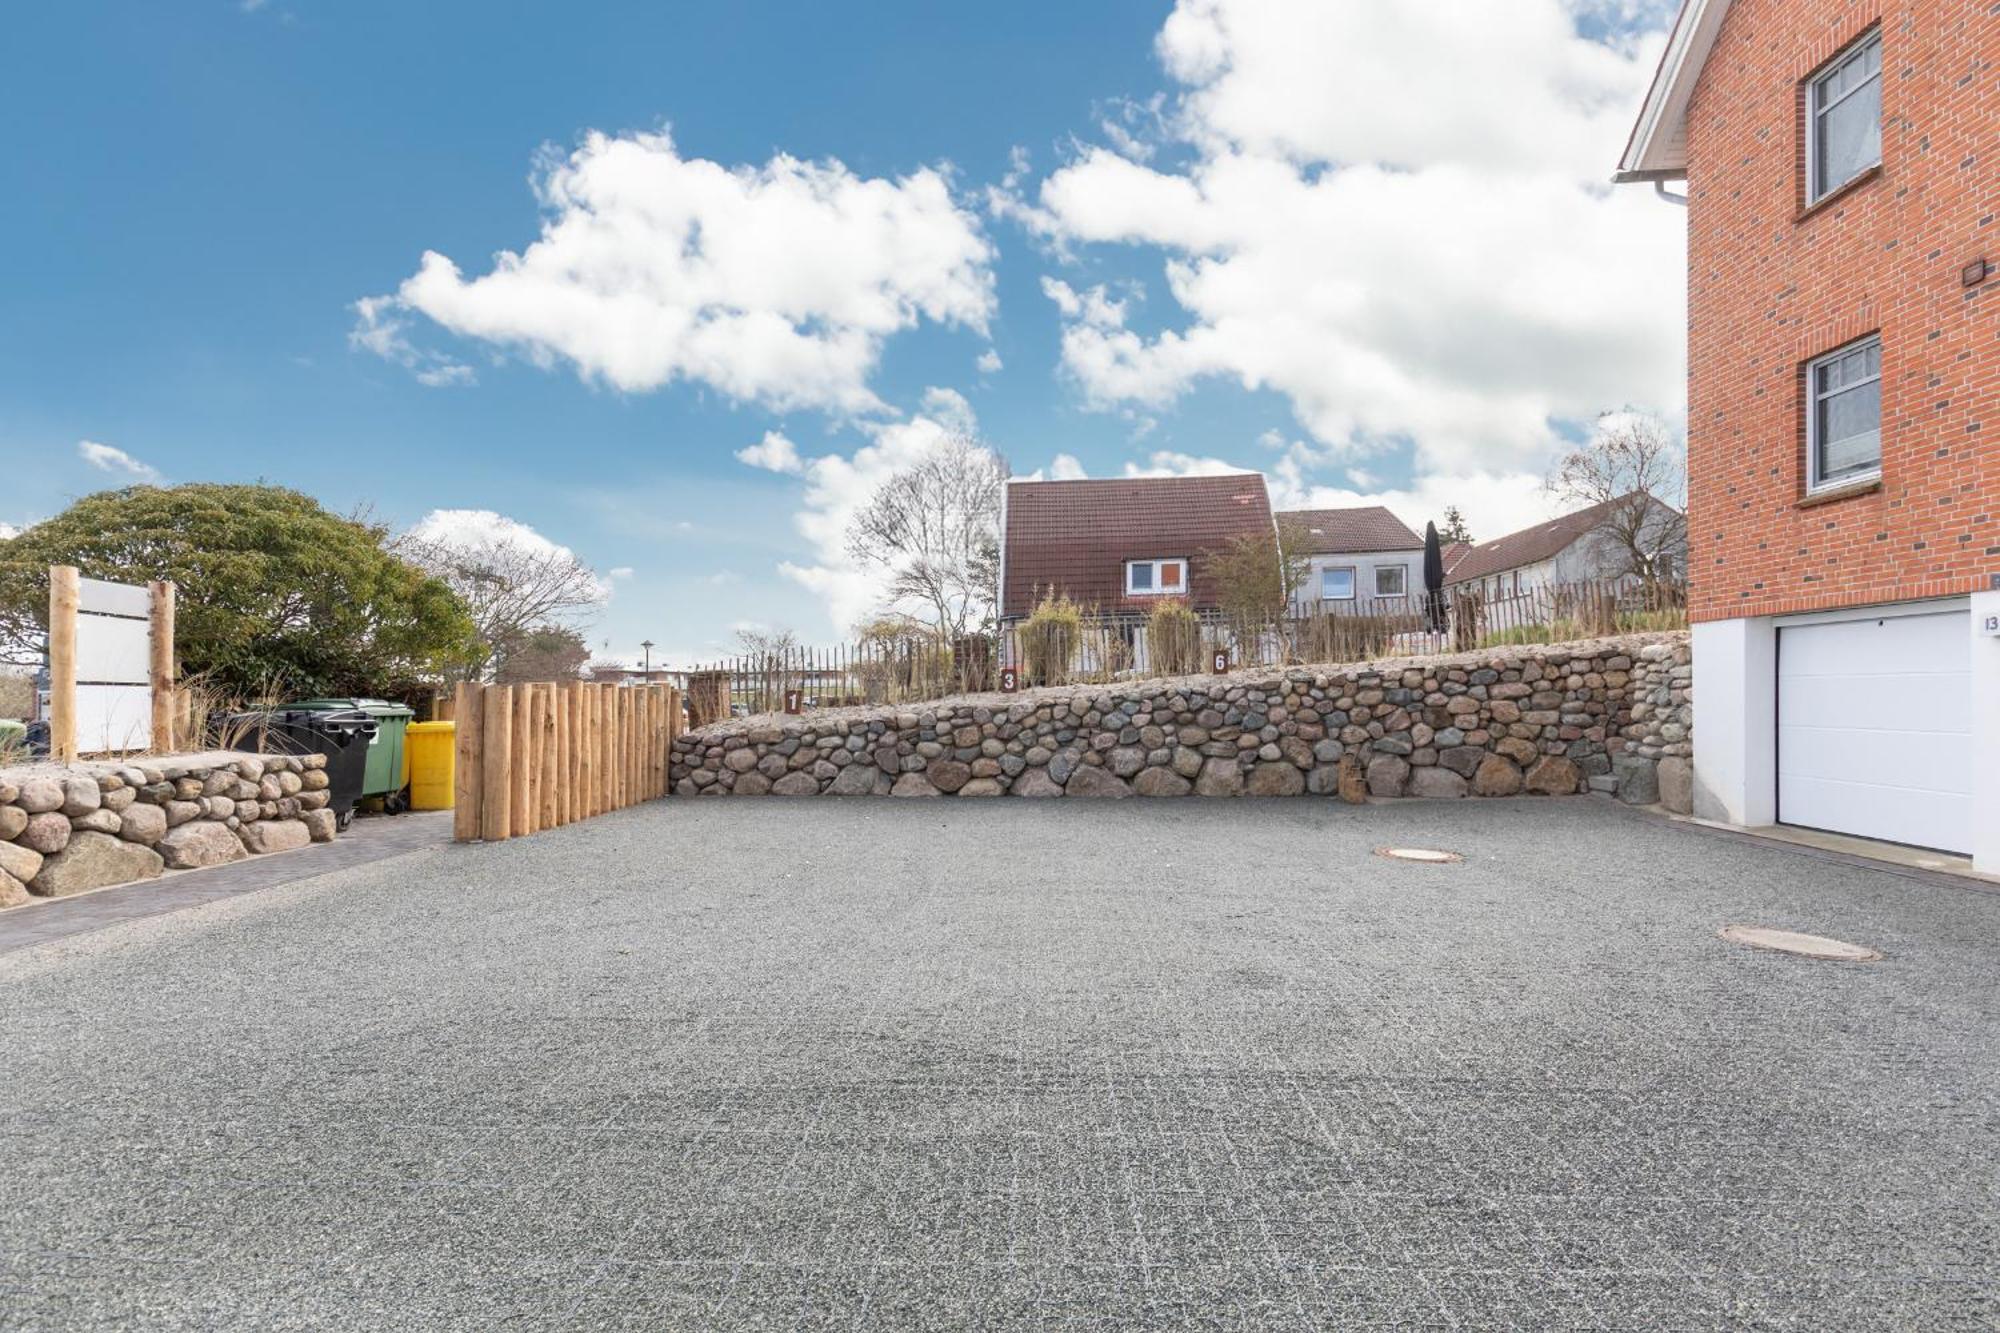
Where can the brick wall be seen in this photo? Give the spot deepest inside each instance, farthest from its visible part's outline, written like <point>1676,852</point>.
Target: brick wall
<point>1772,285</point>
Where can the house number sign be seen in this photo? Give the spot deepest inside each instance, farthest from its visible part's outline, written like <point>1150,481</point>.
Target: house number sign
<point>1990,625</point>
<point>795,701</point>
<point>1219,664</point>
<point>1010,680</point>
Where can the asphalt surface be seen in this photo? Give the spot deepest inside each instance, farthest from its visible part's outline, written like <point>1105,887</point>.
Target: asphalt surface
<point>755,1064</point>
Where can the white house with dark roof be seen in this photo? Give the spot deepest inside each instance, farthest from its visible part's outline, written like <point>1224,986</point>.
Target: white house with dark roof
<point>1570,549</point>
<point>1357,556</point>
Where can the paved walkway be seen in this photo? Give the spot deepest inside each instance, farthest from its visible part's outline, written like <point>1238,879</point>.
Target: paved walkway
<point>366,840</point>
<point>1001,1064</point>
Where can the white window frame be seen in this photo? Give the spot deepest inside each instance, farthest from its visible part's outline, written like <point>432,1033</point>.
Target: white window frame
<point>1401,571</point>
<point>1179,590</point>
<point>1817,187</point>
<point>1815,483</point>
<point>1353,583</point>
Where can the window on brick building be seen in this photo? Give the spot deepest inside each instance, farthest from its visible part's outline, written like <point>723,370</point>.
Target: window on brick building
<point>1844,119</point>
<point>1844,415</point>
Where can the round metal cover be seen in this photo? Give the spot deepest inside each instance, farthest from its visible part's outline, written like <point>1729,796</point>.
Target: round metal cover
<point>1429,856</point>
<point>1792,941</point>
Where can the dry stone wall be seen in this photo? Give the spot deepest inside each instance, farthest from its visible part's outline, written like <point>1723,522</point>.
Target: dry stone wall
<point>68,829</point>
<point>1543,720</point>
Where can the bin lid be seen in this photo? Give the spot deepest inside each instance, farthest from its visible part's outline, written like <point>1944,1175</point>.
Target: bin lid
<point>376,708</point>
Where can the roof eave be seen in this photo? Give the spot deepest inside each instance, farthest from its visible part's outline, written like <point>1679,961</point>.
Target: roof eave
<point>1657,148</point>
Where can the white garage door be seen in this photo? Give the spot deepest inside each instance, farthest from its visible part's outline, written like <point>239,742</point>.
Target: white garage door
<point>1874,728</point>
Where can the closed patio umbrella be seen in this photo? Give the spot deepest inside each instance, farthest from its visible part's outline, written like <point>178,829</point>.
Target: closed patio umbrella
<point>1433,580</point>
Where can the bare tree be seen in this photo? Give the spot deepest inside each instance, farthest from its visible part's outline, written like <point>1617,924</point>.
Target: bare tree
<point>1630,469</point>
<point>767,648</point>
<point>509,587</point>
<point>935,529</point>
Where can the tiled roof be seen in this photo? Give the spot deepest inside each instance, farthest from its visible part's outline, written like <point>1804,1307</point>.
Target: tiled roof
<point>1341,531</point>
<point>1453,553</point>
<point>1528,546</point>
<point>1075,536</point>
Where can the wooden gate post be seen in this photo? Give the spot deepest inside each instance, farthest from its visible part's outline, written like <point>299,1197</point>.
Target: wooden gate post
<point>65,595</point>
<point>162,672</point>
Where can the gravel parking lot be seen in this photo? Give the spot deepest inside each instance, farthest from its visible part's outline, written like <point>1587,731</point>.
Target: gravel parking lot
<point>740,1064</point>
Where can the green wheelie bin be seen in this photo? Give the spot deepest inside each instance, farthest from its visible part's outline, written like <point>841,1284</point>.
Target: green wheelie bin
<point>384,775</point>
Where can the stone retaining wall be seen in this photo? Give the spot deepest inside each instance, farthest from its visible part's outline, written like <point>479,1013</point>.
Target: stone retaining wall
<point>67,829</point>
<point>1545,720</point>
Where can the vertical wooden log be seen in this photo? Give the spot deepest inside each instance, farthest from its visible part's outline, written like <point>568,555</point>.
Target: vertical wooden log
<point>517,785</point>
<point>562,754</point>
<point>551,757</point>
<point>577,765</point>
<point>65,594</point>
<point>612,710</point>
<point>538,772</point>
<point>161,673</point>
<point>653,712</point>
<point>496,779</point>
<point>600,741</point>
<point>468,721</point>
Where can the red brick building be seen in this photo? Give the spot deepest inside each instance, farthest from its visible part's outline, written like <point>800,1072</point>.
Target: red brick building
<point>1842,168</point>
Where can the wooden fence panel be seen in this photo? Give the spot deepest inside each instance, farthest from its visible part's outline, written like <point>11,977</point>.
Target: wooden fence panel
<point>537,756</point>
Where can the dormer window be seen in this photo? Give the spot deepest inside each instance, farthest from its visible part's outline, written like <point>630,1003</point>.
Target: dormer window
<point>1844,119</point>
<point>1165,576</point>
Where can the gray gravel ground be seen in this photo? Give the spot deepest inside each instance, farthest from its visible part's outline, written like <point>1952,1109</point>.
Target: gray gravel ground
<point>1010,1064</point>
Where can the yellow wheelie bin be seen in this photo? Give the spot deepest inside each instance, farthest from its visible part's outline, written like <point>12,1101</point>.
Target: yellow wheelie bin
<point>429,751</point>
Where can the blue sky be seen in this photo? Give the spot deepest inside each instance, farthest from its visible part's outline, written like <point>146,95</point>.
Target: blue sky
<point>1197,236</point>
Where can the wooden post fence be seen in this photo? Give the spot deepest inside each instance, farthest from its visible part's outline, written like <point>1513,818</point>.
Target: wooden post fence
<point>538,756</point>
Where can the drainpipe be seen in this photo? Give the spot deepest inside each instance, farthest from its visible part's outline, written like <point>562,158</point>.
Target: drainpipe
<point>1660,188</point>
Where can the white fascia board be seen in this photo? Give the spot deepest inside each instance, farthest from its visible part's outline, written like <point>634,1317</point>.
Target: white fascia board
<point>1657,150</point>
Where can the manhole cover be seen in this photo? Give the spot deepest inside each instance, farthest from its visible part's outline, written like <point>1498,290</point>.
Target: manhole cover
<point>1422,855</point>
<point>1791,941</point>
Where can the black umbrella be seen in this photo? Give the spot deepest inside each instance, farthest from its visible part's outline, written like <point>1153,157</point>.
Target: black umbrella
<point>1433,579</point>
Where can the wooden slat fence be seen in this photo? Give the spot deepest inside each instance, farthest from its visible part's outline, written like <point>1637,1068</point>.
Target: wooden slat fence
<point>538,756</point>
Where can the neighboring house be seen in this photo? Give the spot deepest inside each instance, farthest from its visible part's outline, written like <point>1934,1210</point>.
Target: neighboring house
<point>1357,556</point>
<point>1570,549</point>
<point>1844,395</point>
<point>1118,545</point>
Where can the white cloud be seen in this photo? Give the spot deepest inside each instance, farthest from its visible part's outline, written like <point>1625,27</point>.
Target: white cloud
<point>619,573</point>
<point>1447,283</point>
<point>1065,467</point>
<point>8,532</point>
<point>775,284</point>
<point>475,530</point>
<point>989,362</point>
<point>773,453</point>
<point>837,487</point>
<point>106,458</point>
<point>381,327</point>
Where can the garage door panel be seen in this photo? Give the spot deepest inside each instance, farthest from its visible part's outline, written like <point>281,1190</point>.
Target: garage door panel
<point>1884,645</point>
<point>1922,761</point>
<point>1892,814</point>
<point>1932,701</point>
<point>1874,728</point>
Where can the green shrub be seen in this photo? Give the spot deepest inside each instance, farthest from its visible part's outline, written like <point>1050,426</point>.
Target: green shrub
<point>1049,638</point>
<point>1173,638</point>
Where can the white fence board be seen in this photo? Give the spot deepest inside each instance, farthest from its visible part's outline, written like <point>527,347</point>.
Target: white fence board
<point>113,717</point>
<point>114,599</point>
<point>111,651</point>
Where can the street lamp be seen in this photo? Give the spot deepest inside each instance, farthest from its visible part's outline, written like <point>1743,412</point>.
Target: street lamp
<point>647,644</point>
